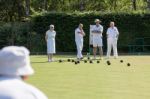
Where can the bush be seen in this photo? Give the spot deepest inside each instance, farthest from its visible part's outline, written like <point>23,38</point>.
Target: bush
<point>14,33</point>
<point>130,25</point>
<point>32,34</point>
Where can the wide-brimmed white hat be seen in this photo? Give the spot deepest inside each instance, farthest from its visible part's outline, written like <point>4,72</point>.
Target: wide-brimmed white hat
<point>15,60</point>
<point>97,20</point>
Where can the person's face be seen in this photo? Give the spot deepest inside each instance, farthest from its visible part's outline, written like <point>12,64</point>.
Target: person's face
<point>25,77</point>
<point>80,26</point>
<point>112,24</point>
<point>97,23</point>
<point>51,28</point>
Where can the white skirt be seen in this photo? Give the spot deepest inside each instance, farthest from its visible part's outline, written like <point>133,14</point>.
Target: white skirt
<point>51,46</point>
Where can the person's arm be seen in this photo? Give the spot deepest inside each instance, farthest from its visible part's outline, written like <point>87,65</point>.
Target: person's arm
<point>46,37</point>
<point>117,33</point>
<point>55,33</point>
<point>76,31</point>
<point>82,32</point>
<point>101,30</point>
<point>107,33</point>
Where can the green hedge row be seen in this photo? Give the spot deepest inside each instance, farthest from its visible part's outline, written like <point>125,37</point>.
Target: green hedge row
<point>14,33</point>
<point>130,26</point>
<point>31,34</point>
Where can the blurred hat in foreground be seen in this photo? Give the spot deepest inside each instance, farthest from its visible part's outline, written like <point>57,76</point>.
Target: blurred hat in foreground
<point>15,61</point>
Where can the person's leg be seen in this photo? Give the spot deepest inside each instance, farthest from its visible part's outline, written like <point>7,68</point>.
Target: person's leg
<point>94,51</point>
<point>100,52</point>
<point>100,45</point>
<point>48,49</point>
<point>95,43</point>
<point>78,50</point>
<point>51,57</point>
<point>115,52</point>
<point>109,47</point>
<point>80,54</point>
<point>48,57</point>
<point>81,49</point>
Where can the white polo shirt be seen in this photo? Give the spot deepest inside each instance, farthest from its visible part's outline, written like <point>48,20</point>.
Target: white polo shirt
<point>14,88</point>
<point>97,30</point>
<point>78,35</point>
<point>112,32</point>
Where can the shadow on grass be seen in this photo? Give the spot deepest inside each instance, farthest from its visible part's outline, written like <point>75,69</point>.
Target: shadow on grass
<point>40,62</point>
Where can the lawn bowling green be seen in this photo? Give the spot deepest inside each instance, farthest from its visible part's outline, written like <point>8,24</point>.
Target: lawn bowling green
<point>93,81</point>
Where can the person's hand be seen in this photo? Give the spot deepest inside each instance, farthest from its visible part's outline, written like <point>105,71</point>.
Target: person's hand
<point>83,34</point>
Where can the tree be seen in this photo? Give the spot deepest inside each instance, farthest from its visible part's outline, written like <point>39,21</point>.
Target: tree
<point>134,4</point>
<point>148,4</point>
<point>45,4</point>
<point>27,2</point>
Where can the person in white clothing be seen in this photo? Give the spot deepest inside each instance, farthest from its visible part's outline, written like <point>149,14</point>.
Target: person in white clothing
<point>50,39</point>
<point>112,38</point>
<point>97,31</point>
<point>79,34</point>
<point>15,67</point>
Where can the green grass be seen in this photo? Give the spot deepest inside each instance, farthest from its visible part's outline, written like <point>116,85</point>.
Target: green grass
<point>93,81</point>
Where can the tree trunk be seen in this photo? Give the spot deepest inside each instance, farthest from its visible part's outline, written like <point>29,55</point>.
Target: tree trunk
<point>27,7</point>
<point>20,9</point>
<point>45,4</point>
<point>134,4</point>
<point>81,4</point>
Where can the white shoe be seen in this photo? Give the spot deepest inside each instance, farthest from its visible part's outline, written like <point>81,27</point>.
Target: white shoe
<point>49,60</point>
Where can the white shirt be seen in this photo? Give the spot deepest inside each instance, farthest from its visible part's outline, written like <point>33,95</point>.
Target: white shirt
<point>78,35</point>
<point>97,30</point>
<point>15,88</point>
<point>112,32</point>
<point>51,34</point>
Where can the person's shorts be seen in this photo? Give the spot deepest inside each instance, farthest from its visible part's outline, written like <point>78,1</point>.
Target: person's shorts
<point>97,41</point>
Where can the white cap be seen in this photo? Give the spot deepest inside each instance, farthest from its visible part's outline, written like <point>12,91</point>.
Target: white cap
<point>15,61</point>
<point>52,25</point>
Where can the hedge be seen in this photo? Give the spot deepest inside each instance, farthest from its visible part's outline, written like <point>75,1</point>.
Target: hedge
<point>130,25</point>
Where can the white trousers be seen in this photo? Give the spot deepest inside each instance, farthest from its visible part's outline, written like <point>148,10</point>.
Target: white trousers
<point>79,45</point>
<point>112,43</point>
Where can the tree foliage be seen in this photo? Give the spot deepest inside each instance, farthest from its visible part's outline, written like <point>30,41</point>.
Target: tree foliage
<point>12,10</point>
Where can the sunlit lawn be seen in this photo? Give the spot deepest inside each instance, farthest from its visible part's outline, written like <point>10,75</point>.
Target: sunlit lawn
<point>93,81</point>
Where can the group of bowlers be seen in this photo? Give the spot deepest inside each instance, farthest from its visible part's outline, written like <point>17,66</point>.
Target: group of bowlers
<point>97,41</point>
<point>15,65</point>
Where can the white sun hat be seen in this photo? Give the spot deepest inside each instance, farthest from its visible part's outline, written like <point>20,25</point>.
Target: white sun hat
<point>15,61</point>
<point>52,25</point>
<point>97,20</point>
